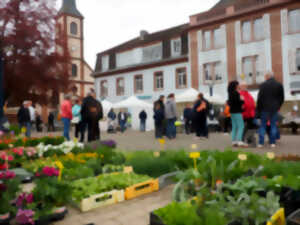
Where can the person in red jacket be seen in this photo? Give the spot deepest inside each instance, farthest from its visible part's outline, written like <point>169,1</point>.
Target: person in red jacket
<point>66,115</point>
<point>249,109</point>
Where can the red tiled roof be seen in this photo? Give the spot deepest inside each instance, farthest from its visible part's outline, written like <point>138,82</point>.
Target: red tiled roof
<point>149,38</point>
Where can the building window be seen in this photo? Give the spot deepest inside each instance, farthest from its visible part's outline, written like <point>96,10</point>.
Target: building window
<point>298,60</point>
<point>207,40</point>
<point>158,81</point>
<point>213,39</point>
<point>251,72</point>
<point>120,86</point>
<point>104,88</point>
<point>176,47</point>
<point>212,73</point>
<point>74,70</point>
<point>253,30</point>
<point>138,84</point>
<point>181,78</point>
<point>294,20</point>
<point>74,28</point>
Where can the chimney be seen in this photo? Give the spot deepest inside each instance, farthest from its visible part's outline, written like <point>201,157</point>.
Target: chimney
<point>143,34</point>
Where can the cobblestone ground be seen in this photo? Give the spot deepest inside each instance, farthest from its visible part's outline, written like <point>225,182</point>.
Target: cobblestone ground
<point>136,212</point>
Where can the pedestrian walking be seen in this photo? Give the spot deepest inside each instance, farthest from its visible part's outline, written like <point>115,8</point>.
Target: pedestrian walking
<point>161,102</point>
<point>249,111</point>
<point>91,114</point>
<point>158,117</point>
<point>227,119</point>
<point>270,100</point>
<point>38,123</point>
<point>76,112</point>
<point>111,121</point>
<point>199,117</point>
<point>170,114</point>
<point>188,116</point>
<point>236,103</point>
<point>24,118</point>
<point>143,118</point>
<point>66,115</point>
<point>51,126</point>
<point>32,113</point>
<point>122,118</point>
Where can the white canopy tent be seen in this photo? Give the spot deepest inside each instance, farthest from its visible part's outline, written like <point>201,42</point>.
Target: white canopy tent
<point>217,99</point>
<point>189,95</point>
<point>135,106</point>
<point>106,105</point>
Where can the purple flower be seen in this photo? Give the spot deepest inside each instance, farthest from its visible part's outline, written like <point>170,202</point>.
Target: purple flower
<point>25,216</point>
<point>109,143</point>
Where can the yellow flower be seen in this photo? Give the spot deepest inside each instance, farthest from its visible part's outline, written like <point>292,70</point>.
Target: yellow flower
<point>59,165</point>
<point>194,146</point>
<point>75,140</point>
<point>242,157</point>
<point>162,141</point>
<point>156,154</point>
<point>23,130</point>
<point>194,155</point>
<point>270,155</point>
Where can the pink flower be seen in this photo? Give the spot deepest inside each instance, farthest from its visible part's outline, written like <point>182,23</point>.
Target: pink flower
<point>29,198</point>
<point>10,158</point>
<point>24,199</point>
<point>10,175</point>
<point>50,171</point>
<point>25,216</point>
<point>3,156</point>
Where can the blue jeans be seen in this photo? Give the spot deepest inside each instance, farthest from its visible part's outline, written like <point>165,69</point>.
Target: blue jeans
<point>237,127</point>
<point>171,128</point>
<point>122,126</point>
<point>28,129</point>
<point>66,123</point>
<point>143,126</point>
<point>273,117</point>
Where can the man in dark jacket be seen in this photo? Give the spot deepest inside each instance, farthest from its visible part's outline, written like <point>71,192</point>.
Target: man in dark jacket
<point>24,118</point>
<point>91,113</point>
<point>269,102</point>
<point>188,116</point>
<point>161,102</point>
<point>143,118</point>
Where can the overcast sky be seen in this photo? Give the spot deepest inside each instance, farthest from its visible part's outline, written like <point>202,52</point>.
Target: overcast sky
<point>111,22</point>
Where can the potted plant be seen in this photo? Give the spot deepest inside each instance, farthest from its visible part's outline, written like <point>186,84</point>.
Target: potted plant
<point>9,186</point>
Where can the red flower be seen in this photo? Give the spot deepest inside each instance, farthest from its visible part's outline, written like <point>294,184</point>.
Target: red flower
<point>50,171</point>
<point>3,167</point>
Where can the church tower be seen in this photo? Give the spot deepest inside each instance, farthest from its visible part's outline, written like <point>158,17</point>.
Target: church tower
<point>71,21</point>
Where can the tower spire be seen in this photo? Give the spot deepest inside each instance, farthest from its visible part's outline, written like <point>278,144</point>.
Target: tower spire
<point>69,7</point>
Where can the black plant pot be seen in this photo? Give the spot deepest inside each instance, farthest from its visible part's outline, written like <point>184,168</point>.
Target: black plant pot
<point>5,221</point>
<point>59,215</point>
<point>155,220</point>
<point>294,218</point>
<point>290,200</point>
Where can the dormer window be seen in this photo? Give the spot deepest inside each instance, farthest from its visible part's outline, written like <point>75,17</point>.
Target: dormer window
<point>74,28</point>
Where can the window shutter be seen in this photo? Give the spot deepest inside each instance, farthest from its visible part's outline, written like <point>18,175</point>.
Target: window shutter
<point>284,21</point>
<point>99,63</point>
<point>184,44</point>
<point>112,61</point>
<point>176,79</point>
<point>238,32</point>
<point>267,28</point>
<point>223,35</point>
<point>292,61</point>
<point>200,40</point>
<point>166,49</point>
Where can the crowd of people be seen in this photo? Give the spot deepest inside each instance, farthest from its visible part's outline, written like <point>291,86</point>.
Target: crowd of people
<point>242,115</point>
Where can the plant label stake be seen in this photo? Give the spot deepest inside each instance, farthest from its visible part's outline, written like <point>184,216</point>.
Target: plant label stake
<point>60,167</point>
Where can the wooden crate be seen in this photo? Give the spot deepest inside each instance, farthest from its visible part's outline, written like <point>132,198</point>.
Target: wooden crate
<point>99,200</point>
<point>141,189</point>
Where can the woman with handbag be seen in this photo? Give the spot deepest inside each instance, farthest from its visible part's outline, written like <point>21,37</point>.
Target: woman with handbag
<point>236,102</point>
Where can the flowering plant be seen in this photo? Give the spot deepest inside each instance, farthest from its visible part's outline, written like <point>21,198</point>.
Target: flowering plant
<point>48,172</point>
<point>4,160</point>
<point>109,143</point>
<point>25,216</point>
<point>31,153</point>
<point>24,199</point>
<point>9,186</point>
